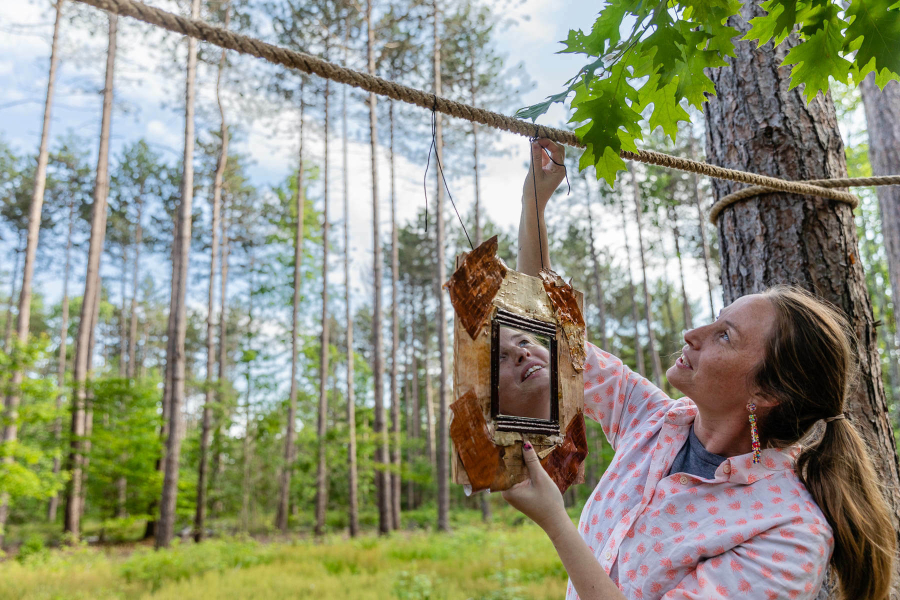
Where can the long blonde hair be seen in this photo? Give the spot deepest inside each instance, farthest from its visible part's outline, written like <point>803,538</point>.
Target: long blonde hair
<point>809,367</point>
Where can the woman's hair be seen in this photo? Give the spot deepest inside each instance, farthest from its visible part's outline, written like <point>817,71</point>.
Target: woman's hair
<point>809,368</point>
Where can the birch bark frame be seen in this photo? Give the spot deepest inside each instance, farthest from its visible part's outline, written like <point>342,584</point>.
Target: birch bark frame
<point>525,297</point>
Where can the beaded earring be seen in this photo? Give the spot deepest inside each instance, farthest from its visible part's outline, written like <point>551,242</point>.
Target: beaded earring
<point>754,433</point>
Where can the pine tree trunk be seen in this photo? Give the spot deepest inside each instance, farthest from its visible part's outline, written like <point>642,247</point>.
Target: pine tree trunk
<point>473,99</point>
<point>14,287</point>
<point>217,469</point>
<point>321,424</point>
<point>429,410</point>
<point>638,347</point>
<point>686,304</point>
<point>353,479</point>
<point>90,298</point>
<point>133,325</point>
<point>284,493</point>
<point>23,323</point>
<point>177,308</point>
<point>395,340</point>
<point>383,486</point>
<point>89,399</point>
<point>883,124</point>
<point>123,335</point>
<point>246,442</point>
<point>53,506</point>
<point>651,335</point>
<point>209,397</point>
<point>755,123</point>
<point>443,445</point>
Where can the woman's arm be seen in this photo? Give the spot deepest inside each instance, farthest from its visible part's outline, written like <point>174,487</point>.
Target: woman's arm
<point>539,499</point>
<point>532,226</point>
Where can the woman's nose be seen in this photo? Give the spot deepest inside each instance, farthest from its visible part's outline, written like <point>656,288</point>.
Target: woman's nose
<point>692,337</point>
<point>523,354</point>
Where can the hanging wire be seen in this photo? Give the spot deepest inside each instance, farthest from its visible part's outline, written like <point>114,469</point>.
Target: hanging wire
<point>441,171</point>
<point>534,181</point>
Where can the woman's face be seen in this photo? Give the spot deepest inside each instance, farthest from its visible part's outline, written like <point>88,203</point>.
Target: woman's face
<point>718,360</point>
<point>524,375</point>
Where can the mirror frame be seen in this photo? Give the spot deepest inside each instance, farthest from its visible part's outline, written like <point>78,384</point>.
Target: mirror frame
<point>524,424</point>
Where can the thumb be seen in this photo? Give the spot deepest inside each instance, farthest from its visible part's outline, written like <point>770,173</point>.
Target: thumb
<point>531,461</point>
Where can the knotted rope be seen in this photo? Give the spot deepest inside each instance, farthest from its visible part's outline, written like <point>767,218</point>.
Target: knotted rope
<point>316,66</point>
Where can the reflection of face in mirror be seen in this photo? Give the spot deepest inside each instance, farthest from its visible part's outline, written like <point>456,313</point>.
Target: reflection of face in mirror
<point>524,374</point>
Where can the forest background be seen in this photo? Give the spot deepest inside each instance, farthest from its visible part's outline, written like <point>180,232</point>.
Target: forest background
<point>237,404</point>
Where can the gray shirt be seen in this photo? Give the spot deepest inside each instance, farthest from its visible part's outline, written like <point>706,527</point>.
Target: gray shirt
<point>694,459</point>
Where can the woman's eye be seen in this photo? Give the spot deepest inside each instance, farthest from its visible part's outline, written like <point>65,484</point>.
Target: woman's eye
<point>724,336</point>
<point>524,343</point>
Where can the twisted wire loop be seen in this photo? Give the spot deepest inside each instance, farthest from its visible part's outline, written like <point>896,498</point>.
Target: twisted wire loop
<point>316,66</point>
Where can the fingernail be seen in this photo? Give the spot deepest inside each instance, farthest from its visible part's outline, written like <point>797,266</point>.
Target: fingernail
<point>527,445</point>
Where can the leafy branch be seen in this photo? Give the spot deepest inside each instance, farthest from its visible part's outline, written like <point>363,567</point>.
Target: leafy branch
<point>661,62</point>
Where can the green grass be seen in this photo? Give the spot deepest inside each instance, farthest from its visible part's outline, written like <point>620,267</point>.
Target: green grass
<point>507,560</point>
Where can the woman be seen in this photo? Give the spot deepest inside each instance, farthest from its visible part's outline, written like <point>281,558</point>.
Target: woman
<point>687,508</point>
<point>524,375</point>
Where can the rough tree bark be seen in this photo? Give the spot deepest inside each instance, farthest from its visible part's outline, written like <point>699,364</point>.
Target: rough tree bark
<point>86,323</point>
<point>883,123</point>
<point>246,442</point>
<point>321,423</point>
<point>395,339</point>
<point>175,358</point>
<point>651,335</point>
<point>382,456</point>
<point>209,396</point>
<point>443,444</point>
<point>284,490</point>
<point>217,469</point>
<point>755,123</point>
<point>23,323</point>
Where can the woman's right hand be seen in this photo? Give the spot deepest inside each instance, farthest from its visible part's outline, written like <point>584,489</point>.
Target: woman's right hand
<point>549,173</point>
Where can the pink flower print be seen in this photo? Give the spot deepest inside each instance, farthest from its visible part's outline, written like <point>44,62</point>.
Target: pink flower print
<point>644,570</point>
<point>713,510</point>
<point>710,498</point>
<point>744,586</point>
<point>722,590</point>
<point>735,505</point>
<point>776,557</point>
<point>655,532</point>
<point>687,560</point>
<point>641,548</point>
<point>690,508</point>
<point>658,547</point>
<point>678,539</point>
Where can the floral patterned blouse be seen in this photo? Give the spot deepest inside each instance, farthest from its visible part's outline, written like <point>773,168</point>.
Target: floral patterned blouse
<point>753,531</point>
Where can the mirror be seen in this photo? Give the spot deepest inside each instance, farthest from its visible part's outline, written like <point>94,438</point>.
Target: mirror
<point>524,377</point>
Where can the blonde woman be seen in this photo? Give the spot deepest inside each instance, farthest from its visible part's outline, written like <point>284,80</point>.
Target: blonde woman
<point>711,495</point>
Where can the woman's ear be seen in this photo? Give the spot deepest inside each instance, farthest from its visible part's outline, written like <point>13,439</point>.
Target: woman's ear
<point>764,401</point>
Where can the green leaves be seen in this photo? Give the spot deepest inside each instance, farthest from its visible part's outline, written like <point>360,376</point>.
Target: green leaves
<point>664,60</point>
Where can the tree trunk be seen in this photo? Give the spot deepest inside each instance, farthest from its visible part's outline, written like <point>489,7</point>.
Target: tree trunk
<point>206,423</point>
<point>443,446</point>
<point>217,469</point>
<point>429,403</point>
<point>597,279</point>
<point>177,308</point>
<point>131,373</point>
<point>686,304</point>
<point>91,296</point>
<point>883,124</point>
<point>638,347</point>
<point>651,335</point>
<point>756,123</point>
<point>321,425</point>
<point>701,223</point>
<point>89,399</point>
<point>284,494</point>
<point>246,443</point>
<point>61,361</point>
<point>382,453</point>
<point>395,339</point>
<point>353,479</point>
<point>415,410</point>
<point>14,287</point>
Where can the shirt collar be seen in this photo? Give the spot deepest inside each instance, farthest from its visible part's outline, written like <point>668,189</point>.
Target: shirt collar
<point>738,469</point>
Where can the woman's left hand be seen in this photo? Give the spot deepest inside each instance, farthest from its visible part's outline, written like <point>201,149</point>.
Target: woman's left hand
<point>538,498</point>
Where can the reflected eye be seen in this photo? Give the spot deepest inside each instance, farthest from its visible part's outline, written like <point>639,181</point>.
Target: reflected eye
<point>523,343</point>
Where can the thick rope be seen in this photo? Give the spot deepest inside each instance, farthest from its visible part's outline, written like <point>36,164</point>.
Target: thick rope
<point>316,66</point>
<point>756,190</point>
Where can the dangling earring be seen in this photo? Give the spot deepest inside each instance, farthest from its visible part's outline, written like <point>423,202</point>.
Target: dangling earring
<point>754,433</point>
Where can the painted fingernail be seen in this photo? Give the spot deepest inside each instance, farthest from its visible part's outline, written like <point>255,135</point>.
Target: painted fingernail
<point>527,445</point>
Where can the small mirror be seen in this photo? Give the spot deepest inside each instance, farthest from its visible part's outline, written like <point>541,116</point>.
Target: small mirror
<point>524,374</point>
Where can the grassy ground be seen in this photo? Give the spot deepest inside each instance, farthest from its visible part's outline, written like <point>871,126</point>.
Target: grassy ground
<point>509,560</point>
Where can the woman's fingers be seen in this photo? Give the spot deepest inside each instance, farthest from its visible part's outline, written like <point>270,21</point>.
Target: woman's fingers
<point>532,461</point>
<point>557,151</point>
